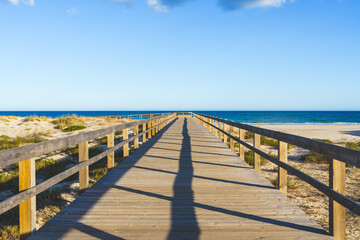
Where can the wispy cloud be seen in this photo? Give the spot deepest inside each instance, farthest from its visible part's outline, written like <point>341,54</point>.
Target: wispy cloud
<point>72,11</point>
<point>165,5</point>
<point>238,4</point>
<point>26,2</point>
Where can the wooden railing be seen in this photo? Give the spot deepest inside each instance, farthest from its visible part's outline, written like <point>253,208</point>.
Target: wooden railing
<point>340,156</point>
<point>137,116</point>
<point>25,157</point>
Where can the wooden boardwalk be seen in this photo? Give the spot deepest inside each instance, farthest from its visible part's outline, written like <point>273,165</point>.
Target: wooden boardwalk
<point>183,183</point>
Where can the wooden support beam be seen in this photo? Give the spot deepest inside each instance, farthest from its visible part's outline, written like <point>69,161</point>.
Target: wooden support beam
<point>111,156</point>
<point>136,140</point>
<point>241,147</point>
<point>144,136</point>
<point>257,156</point>
<point>282,173</point>
<point>126,146</point>
<point>27,209</point>
<point>84,173</point>
<point>232,146</point>
<point>149,132</point>
<point>337,218</point>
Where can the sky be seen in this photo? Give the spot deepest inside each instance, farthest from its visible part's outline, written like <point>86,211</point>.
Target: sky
<point>179,55</point>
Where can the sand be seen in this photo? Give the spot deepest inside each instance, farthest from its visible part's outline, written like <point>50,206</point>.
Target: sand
<point>335,133</point>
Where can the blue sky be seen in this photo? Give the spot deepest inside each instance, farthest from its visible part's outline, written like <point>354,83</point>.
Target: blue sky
<point>180,55</point>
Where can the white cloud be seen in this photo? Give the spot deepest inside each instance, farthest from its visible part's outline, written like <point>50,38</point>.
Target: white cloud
<point>15,2</point>
<point>72,11</point>
<point>26,2</point>
<point>156,4</point>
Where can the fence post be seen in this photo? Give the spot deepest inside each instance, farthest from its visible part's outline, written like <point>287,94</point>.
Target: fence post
<point>126,146</point>
<point>136,140</point>
<point>144,135</point>
<point>337,220</point>
<point>232,147</point>
<point>241,147</point>
<point>111,156</point>
<point>282,173</point>
<point>149,132</point>
<point>84,173</point>
<point>257,156</point>
<point>27,209</point>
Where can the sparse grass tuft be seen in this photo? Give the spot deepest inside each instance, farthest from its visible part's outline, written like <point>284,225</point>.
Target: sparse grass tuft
<point>290,184</point>
<point>249,159</point>
<point>316,158</point>
<point>74,128</point>
<point>67,121</point>
<point>35,118</point>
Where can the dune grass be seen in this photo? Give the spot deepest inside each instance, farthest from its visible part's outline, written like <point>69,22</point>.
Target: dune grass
<point>67,121</point>
<point>74,128</point>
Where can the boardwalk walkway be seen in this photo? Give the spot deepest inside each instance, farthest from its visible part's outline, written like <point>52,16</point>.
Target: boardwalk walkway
<point>184,183</point>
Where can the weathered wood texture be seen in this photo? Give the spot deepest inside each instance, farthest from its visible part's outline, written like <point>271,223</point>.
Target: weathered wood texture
<point>183,183</point>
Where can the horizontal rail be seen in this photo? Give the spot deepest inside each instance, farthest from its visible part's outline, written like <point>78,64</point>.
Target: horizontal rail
<point>347,155</point>
<point>343,200</point>
<point>18,154</point>
<point>27,194</point>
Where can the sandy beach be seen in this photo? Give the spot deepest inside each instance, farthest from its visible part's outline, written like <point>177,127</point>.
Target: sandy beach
<point>333,132</point>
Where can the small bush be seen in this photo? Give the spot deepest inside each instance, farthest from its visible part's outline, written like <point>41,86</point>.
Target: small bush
<point>35,118</point>
<point>249,159</point>
<point>74,128</point>
<point>67,121</point>
<point>290,184</point>
<point>313,157</point>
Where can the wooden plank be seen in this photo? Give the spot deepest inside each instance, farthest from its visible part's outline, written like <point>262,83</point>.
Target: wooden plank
<point>84,173</point>
<point>282,173</point>
<point>337,212</point>
<point>27,209</point>
<point>126,146</point>
<point>256,156</point>
<point>241,147</point>
<point>136,141</point>
<point>232,147</point>
<point>111,156</point>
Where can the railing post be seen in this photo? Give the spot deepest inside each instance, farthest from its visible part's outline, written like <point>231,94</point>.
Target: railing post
<point>225,136</point>
<point>282,173</point>
<point>111,156</point>
<point>84,173</point>
<point>126,146</point>
<point>27,209</point>
<point>149,132</point>
<point>136,140</point>
<point>337,218</point>
<point>144,135</point>
<point>153,125</point>
<point>232,147</point>
<point>257,156</point>
<point>241,147</point>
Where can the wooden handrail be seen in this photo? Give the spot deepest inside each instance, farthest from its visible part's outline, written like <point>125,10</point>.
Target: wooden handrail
<point>24,153</point>
<point>337,174</point>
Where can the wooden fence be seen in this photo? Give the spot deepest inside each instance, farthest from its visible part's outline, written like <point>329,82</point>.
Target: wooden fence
<point>340,156</point>
<point>27,175</point>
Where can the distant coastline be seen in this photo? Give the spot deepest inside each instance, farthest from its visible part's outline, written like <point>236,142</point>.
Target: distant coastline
<point>250,117</point>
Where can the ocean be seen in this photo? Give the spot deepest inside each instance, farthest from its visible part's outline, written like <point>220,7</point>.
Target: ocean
<point>250,117</point>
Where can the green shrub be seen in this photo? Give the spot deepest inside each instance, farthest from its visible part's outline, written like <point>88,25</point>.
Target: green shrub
<point>313,157</point>
<point>249,159</point>
<point>35,118</point>
<point>67,121</point>
<point>290,184</point>
<point>74,128</point>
